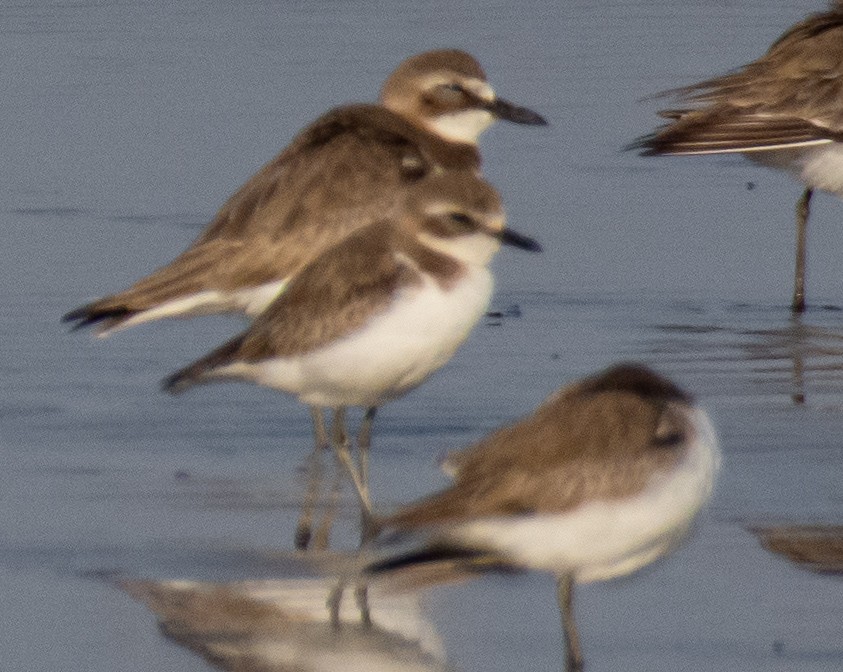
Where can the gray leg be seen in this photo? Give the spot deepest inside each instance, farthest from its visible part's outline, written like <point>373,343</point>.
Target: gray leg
<point>340,441</point>
<point>565,595</point>
<point>321,537</point>
<point>803,211</point>
<point>320,431</point>
<point>364,443</point>
<point>797,344</point>
<point>304,528</point>
<point>368,528</point>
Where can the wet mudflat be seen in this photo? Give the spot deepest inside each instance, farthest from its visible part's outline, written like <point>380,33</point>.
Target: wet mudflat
<point>129,125</point>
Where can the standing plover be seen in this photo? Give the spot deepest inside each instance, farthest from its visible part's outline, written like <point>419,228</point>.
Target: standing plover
<point>345,171</point>
<point>783,110</point>
<point>372,317</point>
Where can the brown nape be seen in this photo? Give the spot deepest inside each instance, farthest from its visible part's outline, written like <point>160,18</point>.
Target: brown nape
<point>637,379</point>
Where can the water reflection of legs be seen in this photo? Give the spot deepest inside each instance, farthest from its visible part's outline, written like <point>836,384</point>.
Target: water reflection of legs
<point>361,597</point>
<point>565,596</point>
<point>797,346</point>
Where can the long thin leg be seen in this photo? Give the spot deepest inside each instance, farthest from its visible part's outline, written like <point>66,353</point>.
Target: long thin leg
<point>803,211</point>
<point>320,428</point>
<point>321,537</point>
<point>304,527</point>
<point>340,441</point>
<point>368,529</point>
<point>364,443</point>
<point>360,480</point>
<point>565,596</point>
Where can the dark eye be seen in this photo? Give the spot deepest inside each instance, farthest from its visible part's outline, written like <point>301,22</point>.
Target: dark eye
<point>462,219</point>
<point>451,88</point>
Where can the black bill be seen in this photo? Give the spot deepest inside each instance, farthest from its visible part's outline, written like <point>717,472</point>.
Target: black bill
<point>510,237</point>
<point>507,111</point>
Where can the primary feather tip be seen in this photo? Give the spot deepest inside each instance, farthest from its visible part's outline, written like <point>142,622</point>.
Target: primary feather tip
<point>177,382</point>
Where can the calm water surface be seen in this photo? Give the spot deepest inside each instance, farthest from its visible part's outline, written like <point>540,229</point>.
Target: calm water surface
<point>127,125</point>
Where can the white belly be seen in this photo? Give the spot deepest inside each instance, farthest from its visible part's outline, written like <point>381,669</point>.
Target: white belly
<point>605,539</point>
<point>392,354</point>
<point>818,166</point>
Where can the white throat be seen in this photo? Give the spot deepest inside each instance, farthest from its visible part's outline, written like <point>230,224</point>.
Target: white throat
<point>463,126</point>
<point>476,249</point>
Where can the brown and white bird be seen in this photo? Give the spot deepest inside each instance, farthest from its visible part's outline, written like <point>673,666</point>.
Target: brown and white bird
<point>784,110</point>
<point>372,317</point>
<point>348,169</point>
<point>605,477</point>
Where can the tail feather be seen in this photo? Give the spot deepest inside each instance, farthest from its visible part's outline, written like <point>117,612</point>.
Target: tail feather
<point>430,555</point>
<point>92,315</point>
<point>203,370</point>
<point>195,282</point>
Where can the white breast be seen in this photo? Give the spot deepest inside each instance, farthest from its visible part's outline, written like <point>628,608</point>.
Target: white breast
<point>394,352</point>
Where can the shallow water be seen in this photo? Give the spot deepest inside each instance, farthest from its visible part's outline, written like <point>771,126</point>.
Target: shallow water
<point>130,124</point>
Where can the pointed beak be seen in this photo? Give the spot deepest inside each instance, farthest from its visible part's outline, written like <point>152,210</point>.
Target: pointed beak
<point>507,111</point>
<point>510,237</point>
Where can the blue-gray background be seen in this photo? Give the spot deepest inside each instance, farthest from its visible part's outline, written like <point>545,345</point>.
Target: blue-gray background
<point>127,124</point>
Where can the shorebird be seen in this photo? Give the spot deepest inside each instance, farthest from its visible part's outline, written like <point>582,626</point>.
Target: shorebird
<point>345,171</point>
<point>605,477</point>
<point>375,315</point>
<point>784,110</point>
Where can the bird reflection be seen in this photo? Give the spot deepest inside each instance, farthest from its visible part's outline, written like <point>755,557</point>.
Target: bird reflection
<point>275,626</point>
<point>746,353</point>
<point>817,548</point>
